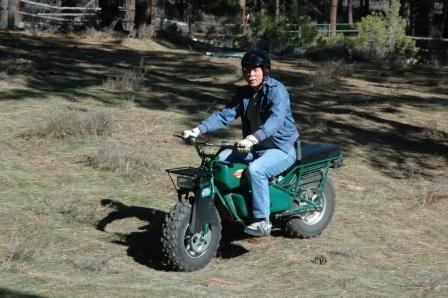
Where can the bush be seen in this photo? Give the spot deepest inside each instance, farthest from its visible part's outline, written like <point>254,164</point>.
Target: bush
<point>65,122</point>
<point>330,48</point>
<point>275,35</point>
<point>372,37</point>
<point>383,36</point>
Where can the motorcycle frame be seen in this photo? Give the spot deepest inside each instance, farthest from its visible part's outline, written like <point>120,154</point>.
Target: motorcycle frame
<point>292,184</point>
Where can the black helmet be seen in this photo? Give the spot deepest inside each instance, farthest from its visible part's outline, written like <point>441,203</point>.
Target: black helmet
<point>256,58</point>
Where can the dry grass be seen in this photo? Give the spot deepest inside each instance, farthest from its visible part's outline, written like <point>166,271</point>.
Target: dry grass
<point>124,161</point>
<point>68,207</point>
<point>329,73</point>
<point>127,79</point>
<point>63,123</point>
<point>21,245</point>
<point>12,66</point>
<point>129,101</point>
<point>387,239</point>
<point>429,191</point>
<point>432,131</point>
<point>99,263</point>
<point>92,33</point>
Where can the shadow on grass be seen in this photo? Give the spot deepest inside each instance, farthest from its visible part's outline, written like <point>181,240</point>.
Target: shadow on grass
<point>145,246</point>
<point>72,70</point>
<point>371,121</point>
<point>189,82</point>
<point>6,293</point>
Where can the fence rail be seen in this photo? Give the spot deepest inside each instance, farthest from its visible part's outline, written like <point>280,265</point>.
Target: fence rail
<point>21,12</point>
<point>62,7</point>
<point>10,18</point>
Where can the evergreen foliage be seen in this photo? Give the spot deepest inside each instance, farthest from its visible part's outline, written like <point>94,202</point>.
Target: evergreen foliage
<point>278,35</point>
<point>384,35</point>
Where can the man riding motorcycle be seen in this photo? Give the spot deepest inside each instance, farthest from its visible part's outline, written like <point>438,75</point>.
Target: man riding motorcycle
<point>268,128</point>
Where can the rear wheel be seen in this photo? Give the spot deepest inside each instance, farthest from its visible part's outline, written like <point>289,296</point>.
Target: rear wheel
<point>312,224</point>
<point>184,250</point>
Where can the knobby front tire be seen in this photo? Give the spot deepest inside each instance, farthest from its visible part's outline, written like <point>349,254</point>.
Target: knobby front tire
<point>186,251</point>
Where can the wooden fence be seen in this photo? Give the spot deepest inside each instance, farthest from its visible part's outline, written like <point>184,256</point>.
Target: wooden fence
<point>14,12</point>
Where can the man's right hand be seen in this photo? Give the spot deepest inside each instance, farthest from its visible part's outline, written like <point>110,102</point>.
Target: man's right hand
<point>195,132</point>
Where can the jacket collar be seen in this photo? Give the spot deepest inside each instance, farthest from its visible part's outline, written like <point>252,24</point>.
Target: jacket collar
<point>270,82</point>
<point>267,83</point>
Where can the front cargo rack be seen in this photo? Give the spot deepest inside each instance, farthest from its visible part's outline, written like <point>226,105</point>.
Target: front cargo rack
<point>194,173</point>
<point>191,172</point>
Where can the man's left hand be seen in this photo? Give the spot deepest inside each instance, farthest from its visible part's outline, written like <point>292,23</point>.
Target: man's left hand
<point>245,145</point>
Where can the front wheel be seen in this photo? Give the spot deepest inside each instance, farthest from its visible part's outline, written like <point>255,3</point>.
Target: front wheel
<point>186,251</point>
<point>312,224</point>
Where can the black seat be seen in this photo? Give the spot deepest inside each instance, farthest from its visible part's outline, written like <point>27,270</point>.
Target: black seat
<point>318,151</point>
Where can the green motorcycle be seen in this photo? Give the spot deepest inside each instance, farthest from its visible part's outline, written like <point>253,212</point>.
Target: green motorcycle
<point>302,200</point>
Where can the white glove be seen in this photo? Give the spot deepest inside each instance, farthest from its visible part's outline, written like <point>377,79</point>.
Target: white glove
<point>195,132</point>
<point>244,146</point>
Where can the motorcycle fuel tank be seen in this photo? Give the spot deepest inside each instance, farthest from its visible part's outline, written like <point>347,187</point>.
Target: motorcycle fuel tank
<point>229,176</point>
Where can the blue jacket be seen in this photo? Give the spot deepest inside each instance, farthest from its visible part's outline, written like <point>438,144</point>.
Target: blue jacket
<point>276,115</point>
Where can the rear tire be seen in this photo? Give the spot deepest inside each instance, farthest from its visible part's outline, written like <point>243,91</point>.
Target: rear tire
<point>184,251</point>
<point>311,225</point>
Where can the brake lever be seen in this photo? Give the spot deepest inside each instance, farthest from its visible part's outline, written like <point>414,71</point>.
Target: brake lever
<point>189,140</point>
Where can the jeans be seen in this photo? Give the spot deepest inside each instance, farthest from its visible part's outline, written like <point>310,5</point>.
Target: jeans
<point>262,166</point>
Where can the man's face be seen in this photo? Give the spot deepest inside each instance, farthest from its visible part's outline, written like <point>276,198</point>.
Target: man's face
<point>253,76</point>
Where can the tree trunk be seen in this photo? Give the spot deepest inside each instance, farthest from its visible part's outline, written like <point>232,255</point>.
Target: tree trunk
<point>350,11</point>
<point>422,21</point>
<point>361,9</point>
<point>190,25</point>
<point>129,15</point>
<point>109,10</point>
<point>413,17</point>
<point>3,14</point>
<point>420,14</point>
<point>445,19</point>
<point>13,13</point>
<point>243,15</point>
<point>141,16</point>
<point>153,15</point>
<point>430,18</point>
<point>406,13</point>
<point>366,7</point>
<point>333,17</point>
<point>340,9</point>
<point>277,9</point>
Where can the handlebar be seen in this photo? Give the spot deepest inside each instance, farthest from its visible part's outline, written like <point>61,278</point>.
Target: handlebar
<point>194,141</point>
<point>205,156</point>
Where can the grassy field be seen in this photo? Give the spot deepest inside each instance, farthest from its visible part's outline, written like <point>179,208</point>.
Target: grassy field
<point>86,133</point>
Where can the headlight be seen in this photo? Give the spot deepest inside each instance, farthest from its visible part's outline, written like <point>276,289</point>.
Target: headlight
<point>185,182</point>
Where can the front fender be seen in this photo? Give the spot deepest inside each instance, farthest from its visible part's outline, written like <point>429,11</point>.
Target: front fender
<point>204,210</point>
